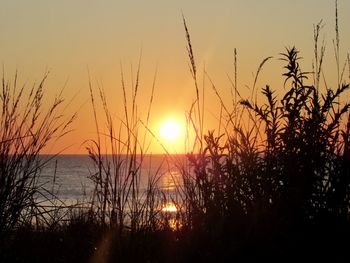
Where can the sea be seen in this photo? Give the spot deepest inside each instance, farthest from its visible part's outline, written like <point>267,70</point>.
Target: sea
<point>67,178</point>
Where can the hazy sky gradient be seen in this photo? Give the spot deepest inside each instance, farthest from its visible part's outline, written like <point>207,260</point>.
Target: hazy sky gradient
<point>70,36</point>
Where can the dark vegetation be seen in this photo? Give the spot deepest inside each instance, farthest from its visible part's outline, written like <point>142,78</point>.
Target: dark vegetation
<point>273,185</point>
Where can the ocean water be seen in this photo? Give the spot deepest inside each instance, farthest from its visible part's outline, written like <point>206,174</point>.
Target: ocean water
<point>67,177</point>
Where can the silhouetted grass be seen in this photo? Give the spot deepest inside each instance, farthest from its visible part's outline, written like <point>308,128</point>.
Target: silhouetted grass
<point>278,176</point>
<point>26,127</point>
<point>271,183</point>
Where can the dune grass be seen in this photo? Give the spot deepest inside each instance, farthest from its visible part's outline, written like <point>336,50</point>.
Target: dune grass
<point>27,127</point>
<point>272,182</point>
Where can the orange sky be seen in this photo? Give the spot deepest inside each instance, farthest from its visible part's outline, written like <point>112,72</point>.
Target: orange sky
<point>69,37</point>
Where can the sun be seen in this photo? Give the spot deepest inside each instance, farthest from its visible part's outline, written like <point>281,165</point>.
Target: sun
<point>170,130</point>
<point>171,134</point>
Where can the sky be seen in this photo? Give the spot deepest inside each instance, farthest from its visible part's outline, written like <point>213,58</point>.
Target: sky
<point>80,39</point>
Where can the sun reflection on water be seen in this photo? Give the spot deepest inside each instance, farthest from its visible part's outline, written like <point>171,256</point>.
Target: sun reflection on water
<point>170,183</point>
<point>170,213</point>
<point>169,208</point>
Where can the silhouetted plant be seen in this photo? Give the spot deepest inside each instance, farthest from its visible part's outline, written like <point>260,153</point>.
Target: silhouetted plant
<point>303,145</point>
<point>294,174</point>
<point>25,129</point>
<point>125,196</point>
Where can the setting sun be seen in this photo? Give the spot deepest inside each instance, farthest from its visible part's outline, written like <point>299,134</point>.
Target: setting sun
<point>170,130</point>
<point>171,133</point>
